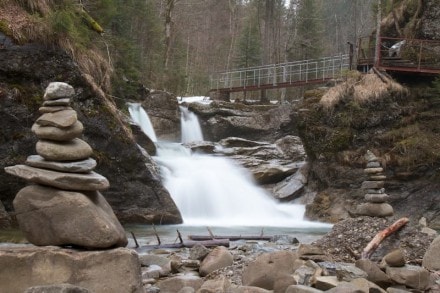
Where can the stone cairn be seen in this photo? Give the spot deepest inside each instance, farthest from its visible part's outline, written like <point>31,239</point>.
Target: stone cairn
<point>376,205</point>
<point>63,206</point>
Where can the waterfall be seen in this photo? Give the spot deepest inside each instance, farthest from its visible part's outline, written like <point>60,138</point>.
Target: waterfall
<point>190,126</point>
<point>216,191</point>
<point>140,117</point>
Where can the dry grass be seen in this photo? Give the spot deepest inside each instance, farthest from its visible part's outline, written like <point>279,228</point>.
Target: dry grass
<point>368,88</point>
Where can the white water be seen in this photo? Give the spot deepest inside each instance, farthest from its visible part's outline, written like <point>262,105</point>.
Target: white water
<point>215,191</point>
<point>140,117</point>
<point>190,126</point>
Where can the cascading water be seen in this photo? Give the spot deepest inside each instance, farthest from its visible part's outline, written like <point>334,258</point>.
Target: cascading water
<point>140,117</point>
<point>215,191</point>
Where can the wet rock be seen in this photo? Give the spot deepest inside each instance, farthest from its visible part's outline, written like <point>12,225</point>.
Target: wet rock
<point>68,218</point>
<point>292,185</point>
<point>156,260</point>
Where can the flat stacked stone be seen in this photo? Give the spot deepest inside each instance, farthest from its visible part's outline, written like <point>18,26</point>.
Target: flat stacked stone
<point>64,206</point>
<point>376,199</point>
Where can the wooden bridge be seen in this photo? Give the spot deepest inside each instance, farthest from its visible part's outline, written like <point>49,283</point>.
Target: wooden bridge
<point>398,55</point>
<point>281,75</point>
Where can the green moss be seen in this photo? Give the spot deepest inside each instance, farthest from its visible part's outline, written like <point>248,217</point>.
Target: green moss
<point>4,28</point>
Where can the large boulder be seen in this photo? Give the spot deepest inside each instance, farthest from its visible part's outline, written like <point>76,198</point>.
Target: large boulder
<point>136,192</point>
<point>69,218</point>
<point>116,270</point>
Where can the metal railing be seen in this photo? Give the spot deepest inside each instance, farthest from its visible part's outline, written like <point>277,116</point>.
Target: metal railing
<point>281,75</point>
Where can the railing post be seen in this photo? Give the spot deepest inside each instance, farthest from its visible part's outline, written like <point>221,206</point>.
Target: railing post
<point>420,55</point>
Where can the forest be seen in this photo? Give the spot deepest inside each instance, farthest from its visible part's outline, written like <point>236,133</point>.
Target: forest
<point>174,45</point>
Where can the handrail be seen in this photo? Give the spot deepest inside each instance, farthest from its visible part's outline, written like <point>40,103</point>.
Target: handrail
<point>282,73</point>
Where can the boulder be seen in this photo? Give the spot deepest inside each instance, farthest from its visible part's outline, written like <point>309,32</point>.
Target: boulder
<point>411,276</point>
<point>83,166</point>
<point>114,271</point>
<point>267,268</point>
<point>431,259</point>
<point>218,258</point>
<point>68,218</point>
<point>221,284</point>
<point>58,134</point>
<point>395,258</point>
<point>198,252</point>
<point>374,273</point>
<point>174,284</point>
<point>73,150</point>
<point>62,180</point>
<point>374,210</point>
<point>57,90</point>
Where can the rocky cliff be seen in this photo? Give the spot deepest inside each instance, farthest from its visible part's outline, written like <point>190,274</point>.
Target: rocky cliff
<point>136,193</point>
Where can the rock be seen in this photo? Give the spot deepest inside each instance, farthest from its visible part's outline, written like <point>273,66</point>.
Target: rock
<point>198,252</point>
<point>410,276</point>
<point>266,268</point>
<point>48,216</point>
<point>370,157</point>
<point>58,102</point>
<point>115,270</point>
<point>302,289</point>
<point>60,119</point>
<point>174,284</point>
<point>370,171</point>
<point>326,282</point>
<point>309,249</point>
<point>52,109</point>
<point>73,150</point>
<point>291,186</point>
<point>376,191</point>
<point>58,134</point>
<point>57,288</point>
<point>431,259</point>
<point>83,166</point>
<point>377,177</point>
<point>369,286</point>
<point>376,197</point>
<point>374,273</point>
<point>373,164</point>
<point>396,290</point>
<point>374,210</point>
<point>249,289</point>
<point>152,259</point>
<point>282,282</point>
<point>429,231</point>
<point>61,180</point>
<point>218,258</point>
<point>221,284</point>
<point>186,290</point>
<point>152,272</point>
<point>292,147</point>
<point>372,184</point>
<point>349,272</point>
<point>395,258</point>
<point>57,90</point>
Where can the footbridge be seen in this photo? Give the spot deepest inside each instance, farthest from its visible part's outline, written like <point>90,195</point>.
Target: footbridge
<point>283,75</point>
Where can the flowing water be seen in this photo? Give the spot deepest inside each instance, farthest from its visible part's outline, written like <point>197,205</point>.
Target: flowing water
<point>217,192</point>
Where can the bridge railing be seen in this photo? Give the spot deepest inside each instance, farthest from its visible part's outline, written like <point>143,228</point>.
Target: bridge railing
<point>283,74</point>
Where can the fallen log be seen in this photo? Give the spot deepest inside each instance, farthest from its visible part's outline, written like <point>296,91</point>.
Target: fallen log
<point>372,246</point>
<point>230,237</point>
<point>185,244</point>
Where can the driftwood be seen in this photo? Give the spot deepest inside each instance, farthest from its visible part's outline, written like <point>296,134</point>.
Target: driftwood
<point>230,237</point>
<point>372,246</point>
<point>187,244</point>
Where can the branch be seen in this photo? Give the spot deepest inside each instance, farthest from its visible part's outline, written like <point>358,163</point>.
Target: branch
<point>372,246</point>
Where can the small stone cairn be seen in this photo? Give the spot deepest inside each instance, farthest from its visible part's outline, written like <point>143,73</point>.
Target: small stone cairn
<point>63,206</point>
<point>376,205</point>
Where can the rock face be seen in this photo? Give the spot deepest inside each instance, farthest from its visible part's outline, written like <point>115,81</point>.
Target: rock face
<point>116,270</point>
<point>63,215</point>
<point>136,193</point>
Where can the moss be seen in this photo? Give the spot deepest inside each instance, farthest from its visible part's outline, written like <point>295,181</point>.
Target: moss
<point>4,28</point>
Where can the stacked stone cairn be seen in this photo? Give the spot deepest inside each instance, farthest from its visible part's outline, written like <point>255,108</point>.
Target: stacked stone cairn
<point>63,206</point>
<point>376,205</point>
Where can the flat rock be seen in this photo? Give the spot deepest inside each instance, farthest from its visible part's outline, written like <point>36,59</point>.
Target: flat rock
<point>373,170</point>
<point>377,197</point>
<point>58,102</point>
<point>374,210</point>
<point>373,164</point>
<point>377,177</point>
<point>74,150</point>
<point>83,166</point>
<point>48,216</point>
<point>58,134</point>
<point>349,272</point>
<point>57,90</point>
<point>62,180</point>
<point>372,184</point>
<point>53,109</point>
<point>61,119</point>
<point>105,271</point>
